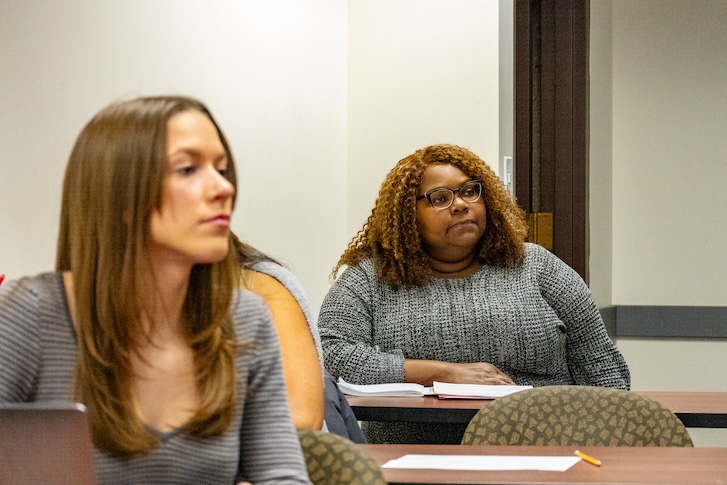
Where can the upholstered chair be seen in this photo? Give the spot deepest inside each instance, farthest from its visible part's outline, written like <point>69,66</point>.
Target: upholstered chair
<point>576,416</point>
<point>334,460</point>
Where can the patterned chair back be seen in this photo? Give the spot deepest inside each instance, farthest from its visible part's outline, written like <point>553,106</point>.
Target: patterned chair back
<point>576,416</point>
<point>333,460</point>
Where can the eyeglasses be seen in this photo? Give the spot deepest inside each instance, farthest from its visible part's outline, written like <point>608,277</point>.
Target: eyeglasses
<point>442,198</point>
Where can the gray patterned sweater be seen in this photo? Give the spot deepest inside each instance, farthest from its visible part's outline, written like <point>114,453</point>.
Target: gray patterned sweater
<point>37,359</point>
<point>537,322</point>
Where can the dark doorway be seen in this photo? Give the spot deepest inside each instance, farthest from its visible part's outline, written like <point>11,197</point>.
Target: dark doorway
<point>551,124</point>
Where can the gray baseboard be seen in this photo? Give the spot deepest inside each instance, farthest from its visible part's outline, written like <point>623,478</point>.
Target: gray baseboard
<point>609,319</point>
<point>666,321</point>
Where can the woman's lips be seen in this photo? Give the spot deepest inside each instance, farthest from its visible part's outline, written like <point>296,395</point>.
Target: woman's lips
<point>219,221</point>
<point>462,223</point>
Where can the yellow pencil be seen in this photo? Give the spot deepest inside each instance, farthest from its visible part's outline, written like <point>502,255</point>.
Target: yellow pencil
<point>588,458</point>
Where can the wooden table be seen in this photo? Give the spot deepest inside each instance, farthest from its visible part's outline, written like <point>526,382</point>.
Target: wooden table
<point>620,465</point>
<point>695,409</point>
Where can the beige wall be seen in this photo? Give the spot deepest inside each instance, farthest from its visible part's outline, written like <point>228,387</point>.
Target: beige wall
<point>319,100</point>
<point>658,172</point>
<point>669,126</point>
<point>273,73</point>
<point>420,72</point>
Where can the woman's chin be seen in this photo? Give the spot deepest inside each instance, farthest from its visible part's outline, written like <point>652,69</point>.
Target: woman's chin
<point>214,255</point>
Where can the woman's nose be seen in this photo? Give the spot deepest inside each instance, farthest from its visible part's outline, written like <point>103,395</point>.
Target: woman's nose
<point>458,203</point>
<point>221,186</point>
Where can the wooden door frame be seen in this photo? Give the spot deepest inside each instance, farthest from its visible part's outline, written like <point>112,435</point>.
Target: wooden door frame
<point>551,120</point>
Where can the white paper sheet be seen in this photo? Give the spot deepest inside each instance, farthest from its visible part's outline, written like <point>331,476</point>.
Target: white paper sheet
<point>483,462</point>
<point>474,391</point>
<point>391,389</point>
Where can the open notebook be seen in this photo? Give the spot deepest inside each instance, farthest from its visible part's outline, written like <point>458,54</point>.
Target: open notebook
<point>442,389</point>
<point>45,442</point>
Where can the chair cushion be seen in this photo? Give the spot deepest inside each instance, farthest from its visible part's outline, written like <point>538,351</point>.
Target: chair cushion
<point>333,460</point>
<point>576,415</point>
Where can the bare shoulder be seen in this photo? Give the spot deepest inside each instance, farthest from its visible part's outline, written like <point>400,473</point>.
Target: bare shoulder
<point>264,285</point>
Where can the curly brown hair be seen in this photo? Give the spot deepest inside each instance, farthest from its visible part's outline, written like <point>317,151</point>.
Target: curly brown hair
<point>390,236</point>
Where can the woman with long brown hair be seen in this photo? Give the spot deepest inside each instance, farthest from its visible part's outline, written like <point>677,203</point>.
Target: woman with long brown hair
<point>142,322</point>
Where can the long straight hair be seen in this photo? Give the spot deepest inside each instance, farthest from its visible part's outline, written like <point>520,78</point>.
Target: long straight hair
<point>113,182</point>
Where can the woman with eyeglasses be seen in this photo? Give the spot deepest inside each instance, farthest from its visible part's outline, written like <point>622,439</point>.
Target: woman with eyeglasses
<point>440,285</point>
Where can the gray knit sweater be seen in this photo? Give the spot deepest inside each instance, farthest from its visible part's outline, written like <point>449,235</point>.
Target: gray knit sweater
<point>537,322</point>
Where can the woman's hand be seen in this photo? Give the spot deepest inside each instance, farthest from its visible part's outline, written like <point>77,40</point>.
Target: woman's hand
<point>426,371</point>
<point>478,373</point>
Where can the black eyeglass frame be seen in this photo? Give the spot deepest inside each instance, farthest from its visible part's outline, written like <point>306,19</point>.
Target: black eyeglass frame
<point>428,194</point>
